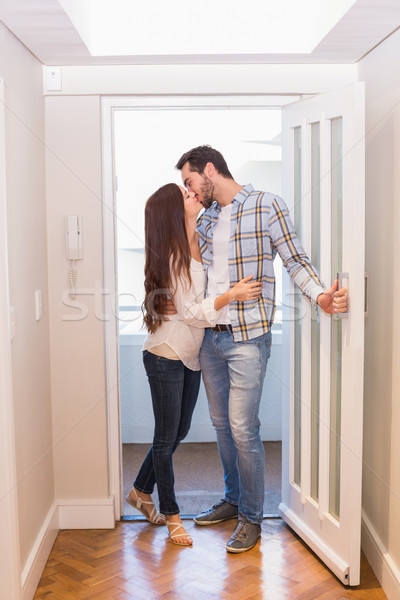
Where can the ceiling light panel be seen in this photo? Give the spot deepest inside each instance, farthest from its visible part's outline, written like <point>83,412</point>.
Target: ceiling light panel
<point>178,27</point>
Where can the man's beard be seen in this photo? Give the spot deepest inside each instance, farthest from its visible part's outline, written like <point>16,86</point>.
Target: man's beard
<point>207,192</point>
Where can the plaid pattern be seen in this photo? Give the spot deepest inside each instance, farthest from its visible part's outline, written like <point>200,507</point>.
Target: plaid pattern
<point>260,227</point>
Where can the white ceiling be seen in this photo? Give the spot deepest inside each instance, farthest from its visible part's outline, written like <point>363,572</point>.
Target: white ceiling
<point>46,30</point>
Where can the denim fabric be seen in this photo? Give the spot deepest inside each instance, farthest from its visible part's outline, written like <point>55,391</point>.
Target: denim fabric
<point>233,374</point>
<point>174,390</point>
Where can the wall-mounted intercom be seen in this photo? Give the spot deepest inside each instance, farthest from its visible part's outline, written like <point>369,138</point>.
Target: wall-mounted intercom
<point>73,231</point>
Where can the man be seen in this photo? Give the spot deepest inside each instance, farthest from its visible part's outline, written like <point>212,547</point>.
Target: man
<point>240,233</point>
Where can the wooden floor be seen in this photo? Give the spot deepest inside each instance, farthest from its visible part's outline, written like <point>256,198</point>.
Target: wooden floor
<point>136,562</point>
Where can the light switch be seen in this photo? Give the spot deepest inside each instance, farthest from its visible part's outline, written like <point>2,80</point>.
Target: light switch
<point>38,304</point>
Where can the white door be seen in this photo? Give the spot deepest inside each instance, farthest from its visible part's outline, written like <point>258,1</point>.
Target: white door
<point>323,145</point>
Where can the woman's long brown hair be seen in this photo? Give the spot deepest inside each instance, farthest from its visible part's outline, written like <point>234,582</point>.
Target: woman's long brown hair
<point>167,248</point>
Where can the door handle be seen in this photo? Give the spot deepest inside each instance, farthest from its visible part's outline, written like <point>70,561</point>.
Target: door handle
<point>340,277</point>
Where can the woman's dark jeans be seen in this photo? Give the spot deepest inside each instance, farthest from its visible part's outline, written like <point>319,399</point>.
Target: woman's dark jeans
<point>174,390</point>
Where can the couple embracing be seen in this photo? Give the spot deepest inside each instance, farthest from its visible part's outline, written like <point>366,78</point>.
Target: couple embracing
<point>209,304</point>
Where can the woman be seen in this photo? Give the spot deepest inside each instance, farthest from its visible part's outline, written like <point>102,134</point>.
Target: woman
<point>173,269</point>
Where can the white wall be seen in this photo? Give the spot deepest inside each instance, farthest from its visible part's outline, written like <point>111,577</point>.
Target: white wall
<point>381,475</point>
<point>26,207</point>
<point>203,79</point>
<point>73,176</point>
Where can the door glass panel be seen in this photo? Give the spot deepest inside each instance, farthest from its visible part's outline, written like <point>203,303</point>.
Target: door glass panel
<point>315,320</point>
<point>336,323</point>
<point>297,314</point>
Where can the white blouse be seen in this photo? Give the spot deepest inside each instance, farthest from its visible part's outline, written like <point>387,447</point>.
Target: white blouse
<point>183,333</point>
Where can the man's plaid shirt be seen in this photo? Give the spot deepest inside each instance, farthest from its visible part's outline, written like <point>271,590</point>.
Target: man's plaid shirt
<point>260,227</point>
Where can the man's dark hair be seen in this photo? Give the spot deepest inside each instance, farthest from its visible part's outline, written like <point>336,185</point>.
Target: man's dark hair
<point>200,156</point>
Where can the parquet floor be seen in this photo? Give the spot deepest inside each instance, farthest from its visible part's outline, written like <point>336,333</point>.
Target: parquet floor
<point>136,562</point>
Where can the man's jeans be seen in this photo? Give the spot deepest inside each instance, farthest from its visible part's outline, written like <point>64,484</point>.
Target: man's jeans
<point>233,374</point>
<point>174,390</point>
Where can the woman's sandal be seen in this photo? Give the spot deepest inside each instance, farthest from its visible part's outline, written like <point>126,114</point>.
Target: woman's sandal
<point>173,535</point>
<point>153,517</point>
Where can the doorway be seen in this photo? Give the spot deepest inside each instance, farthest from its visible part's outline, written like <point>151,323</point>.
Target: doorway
<point>147,140</point>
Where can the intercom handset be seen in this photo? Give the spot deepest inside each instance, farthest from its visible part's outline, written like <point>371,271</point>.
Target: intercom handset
<point>73,231</point>
<point>74,248</point>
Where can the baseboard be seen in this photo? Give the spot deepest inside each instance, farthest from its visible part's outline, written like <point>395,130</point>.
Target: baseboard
<point>86,514</point>
<point>387,573</point>
<point>39,554</point>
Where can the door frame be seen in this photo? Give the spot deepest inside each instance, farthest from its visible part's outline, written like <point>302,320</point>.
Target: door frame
<point>108,106</point>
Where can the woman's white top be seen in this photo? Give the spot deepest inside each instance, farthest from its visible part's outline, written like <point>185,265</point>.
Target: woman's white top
<point>181,336</point>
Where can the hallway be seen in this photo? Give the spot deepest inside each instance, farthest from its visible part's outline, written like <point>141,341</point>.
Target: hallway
<point>59,413</point>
